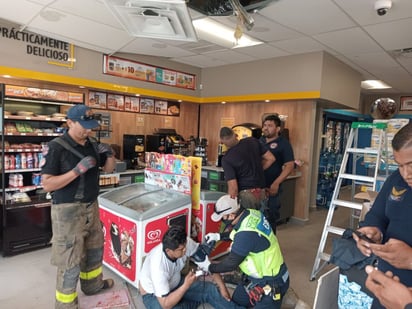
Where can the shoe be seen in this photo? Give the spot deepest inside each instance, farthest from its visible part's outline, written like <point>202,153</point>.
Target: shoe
<point>107,284</point>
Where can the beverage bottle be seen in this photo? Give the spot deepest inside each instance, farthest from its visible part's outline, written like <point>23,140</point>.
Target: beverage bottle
<point>30,161</point>
<point>23,160</point>
<point>35,160</point>
<point>19,180</point>
<point>18,162</point>
<point>12,162</point>
<point>6,162</point>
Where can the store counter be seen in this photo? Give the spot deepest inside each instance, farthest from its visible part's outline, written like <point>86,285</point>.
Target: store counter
<point>213,179</point>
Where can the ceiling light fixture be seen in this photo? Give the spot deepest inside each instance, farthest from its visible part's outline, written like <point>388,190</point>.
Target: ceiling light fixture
<point>210,30</point>
<point>374,84</point>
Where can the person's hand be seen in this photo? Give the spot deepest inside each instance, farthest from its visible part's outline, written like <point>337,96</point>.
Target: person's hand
<point>387,288</point>
<point>106,149</point>
<point>273,189</point>
<point>204,265</point>
<point>395,252</point>
<point>209,237</point>
<point>372,232</point>
<point>189,279</point>
<point>84,165</point>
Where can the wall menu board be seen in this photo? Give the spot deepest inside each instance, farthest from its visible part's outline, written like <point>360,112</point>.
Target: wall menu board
<point>127,103</point>
<point>43,94</point>
<point>97,99</point>
<point>140,71</point>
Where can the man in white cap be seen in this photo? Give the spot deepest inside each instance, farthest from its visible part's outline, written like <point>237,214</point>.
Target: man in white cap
<point>255,250</point>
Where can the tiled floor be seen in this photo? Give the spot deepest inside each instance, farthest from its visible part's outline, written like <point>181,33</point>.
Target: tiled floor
<point>27,280</point>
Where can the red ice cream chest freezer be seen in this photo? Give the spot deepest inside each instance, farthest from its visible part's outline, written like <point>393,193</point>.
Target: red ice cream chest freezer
<point>135,218</point>
<point>203,224</point>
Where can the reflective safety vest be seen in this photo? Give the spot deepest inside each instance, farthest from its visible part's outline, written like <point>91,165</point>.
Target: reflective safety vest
<point>263,263</point>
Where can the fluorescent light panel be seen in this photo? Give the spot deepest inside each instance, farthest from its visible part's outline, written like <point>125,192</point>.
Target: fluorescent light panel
<point>374,84</point>
<point>210,30</point>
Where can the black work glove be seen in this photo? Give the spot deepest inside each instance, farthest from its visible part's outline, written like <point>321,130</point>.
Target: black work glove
<point>103,148</point>
<point>84,165</point>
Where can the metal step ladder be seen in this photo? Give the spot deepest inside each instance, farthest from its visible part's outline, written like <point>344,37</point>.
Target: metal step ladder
<point>355,153</point>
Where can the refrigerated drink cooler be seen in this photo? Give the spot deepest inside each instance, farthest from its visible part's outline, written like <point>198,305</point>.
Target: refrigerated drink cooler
<point>135,218</point>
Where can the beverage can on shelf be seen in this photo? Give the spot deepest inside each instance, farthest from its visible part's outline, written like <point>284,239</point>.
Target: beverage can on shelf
<point>36,179</point>
<point>17,161</point>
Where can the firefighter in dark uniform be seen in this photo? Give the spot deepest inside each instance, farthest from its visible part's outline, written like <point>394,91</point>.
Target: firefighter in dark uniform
<point>70,170</point>
<point>255,250</point>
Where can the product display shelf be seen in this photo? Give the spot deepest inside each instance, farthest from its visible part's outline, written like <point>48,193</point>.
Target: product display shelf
<point>27,125</point>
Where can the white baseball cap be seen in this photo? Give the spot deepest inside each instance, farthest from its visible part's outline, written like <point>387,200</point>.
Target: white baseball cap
<point>224,206</point>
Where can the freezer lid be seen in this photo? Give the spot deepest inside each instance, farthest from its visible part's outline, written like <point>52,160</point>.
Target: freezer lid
<point>141,201</point>
<point>207,195</point>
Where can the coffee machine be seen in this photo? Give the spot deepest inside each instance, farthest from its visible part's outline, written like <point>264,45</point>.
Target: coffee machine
<point>167,141</point>
<point>133,151</point>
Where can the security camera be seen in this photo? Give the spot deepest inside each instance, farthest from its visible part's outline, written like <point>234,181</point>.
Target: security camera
<point>382,6</point>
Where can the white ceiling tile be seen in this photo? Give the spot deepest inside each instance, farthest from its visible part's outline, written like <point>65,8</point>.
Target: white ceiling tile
<point>391,35</point>
<point>309,17</point>
<point>200,61</point>
<point>374,62</point>
<point>230,56</point>
<point>299,45</point>
<point>12,11</point>
<point>75,28</point>
<point>262,51</point>
<point>348,41</point>
<point>155,48</point>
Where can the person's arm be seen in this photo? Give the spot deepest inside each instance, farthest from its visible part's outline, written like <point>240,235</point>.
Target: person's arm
<point>232,188</point>
<point>173,298</point>
<point>221,286</point>
<point>110,165</point>
<point>391,293</point>
<point>55,182</point>
<point>267,159</point>
<point>229,263</point>
<point>287,169</point>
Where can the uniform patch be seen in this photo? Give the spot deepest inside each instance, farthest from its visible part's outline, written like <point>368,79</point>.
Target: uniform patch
<point>397,194</point>
<point>273,145</point>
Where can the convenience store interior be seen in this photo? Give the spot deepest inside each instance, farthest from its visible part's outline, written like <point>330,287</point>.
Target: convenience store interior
<point>380,48</point>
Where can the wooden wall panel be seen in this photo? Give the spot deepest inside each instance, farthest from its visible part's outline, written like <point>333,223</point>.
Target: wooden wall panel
<point>300,122</point>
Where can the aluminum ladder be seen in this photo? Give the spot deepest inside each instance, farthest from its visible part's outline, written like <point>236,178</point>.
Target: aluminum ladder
<point>356,153</point>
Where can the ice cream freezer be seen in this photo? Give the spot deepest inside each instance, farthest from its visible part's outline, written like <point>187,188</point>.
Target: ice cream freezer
<point>135,218</point>
<point>203,224</point>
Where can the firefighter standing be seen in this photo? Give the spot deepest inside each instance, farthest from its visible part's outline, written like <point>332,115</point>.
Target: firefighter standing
<point>70,170</point>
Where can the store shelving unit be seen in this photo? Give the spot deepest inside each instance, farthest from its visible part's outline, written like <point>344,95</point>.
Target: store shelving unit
<point>26,127</point>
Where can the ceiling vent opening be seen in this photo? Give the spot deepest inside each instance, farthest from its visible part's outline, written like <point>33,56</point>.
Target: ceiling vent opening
<point>156,19</point>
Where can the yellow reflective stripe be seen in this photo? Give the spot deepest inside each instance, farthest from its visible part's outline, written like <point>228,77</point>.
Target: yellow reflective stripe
<point>91,274</point>
<point>66,298</point>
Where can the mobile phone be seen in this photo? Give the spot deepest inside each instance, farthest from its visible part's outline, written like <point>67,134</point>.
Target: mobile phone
<point>364,237</point>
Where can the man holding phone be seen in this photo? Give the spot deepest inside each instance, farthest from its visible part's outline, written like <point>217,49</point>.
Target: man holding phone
<point>387,224</point>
